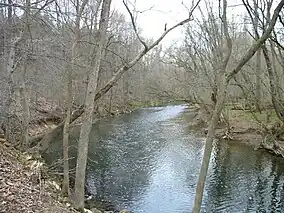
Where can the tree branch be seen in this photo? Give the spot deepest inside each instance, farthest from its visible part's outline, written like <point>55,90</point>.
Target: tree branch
<point>134,25</point>
<point>143,52</point>
<point>248,55</point>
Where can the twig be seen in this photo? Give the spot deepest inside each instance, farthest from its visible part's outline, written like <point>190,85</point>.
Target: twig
<point>134,25</point>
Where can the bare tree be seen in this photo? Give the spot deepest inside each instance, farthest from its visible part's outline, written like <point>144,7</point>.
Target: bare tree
<point>92,96</point>
<point>89,108</point>
<point>80,6</point>
<point>270,64</point>
<point>258,59</point>
<point>218,109</point>
<point>226,78</point>
<point>48,137</point>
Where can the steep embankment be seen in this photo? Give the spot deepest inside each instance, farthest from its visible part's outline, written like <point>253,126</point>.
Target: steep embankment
<point>23,187</point>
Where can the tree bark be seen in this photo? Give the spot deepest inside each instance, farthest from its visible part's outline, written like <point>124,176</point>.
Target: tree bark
<point>209,145</point>
<point>88,112</point>
<point>258,97</point>
<point>274,92</point>
<point>66,128</point>
<point>70,70</point>
<point>26,113</point>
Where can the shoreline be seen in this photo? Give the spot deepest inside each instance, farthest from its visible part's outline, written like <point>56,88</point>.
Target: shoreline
<point>242,131</point>
<point>245,131</point>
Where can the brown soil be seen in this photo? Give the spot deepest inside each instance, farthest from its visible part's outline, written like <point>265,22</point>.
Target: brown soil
<point>22,188</point>
<point>246,131</point>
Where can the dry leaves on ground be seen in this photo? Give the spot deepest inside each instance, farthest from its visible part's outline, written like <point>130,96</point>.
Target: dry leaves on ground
<point>21,189</point>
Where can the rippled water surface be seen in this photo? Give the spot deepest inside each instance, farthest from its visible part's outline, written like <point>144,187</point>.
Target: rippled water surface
<point>148,162</point>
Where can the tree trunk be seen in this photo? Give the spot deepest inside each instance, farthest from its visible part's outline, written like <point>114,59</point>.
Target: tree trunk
<point>209,145</point>
<point>274,92</point>
<point>26,115</point>
<point>277,76</point>
<point>222,94</point>
<point>258,97</point>
<point>8,123</point>
<point>70,70</point>
<point>20,136</point>
<point>24,95</point>
<point>66,128</point>
<point>258,82</point>
<point>89,106</point>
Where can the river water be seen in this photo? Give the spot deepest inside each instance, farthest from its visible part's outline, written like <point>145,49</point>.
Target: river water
<point>148,162</point>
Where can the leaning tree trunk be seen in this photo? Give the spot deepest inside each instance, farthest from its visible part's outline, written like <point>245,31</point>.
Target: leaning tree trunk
<point>89,106</point>
<point>209,145</point>
<point>221,95</point>
<point>229,76</point>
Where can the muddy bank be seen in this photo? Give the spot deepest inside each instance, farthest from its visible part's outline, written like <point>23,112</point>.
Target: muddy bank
<point>243,129</point>
<point>39,128</point>
<point>28,185</point>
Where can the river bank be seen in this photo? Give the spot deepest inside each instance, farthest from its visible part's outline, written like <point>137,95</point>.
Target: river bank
<point>245,127</point>
<point>148,161</point>
<point>242,129</point>
<point>150,144</point>
<point>25,186</point>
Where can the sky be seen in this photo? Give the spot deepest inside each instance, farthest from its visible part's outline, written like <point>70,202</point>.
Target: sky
<point>159,12</point>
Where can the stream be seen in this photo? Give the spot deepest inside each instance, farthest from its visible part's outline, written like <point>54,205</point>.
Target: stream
<point>148,162</point>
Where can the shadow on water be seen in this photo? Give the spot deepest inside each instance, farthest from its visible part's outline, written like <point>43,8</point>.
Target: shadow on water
<point>147,161</point>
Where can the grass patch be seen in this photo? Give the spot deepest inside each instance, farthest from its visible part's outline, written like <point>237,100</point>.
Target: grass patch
<point>252,116</point>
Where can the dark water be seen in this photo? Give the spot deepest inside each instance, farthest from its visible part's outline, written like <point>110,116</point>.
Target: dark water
<point>148,162</point>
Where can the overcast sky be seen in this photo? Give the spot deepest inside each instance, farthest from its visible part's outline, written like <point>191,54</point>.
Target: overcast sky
<point>165,11</point>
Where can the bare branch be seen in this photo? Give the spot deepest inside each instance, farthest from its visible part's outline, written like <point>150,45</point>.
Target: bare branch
<point>134,25</point>
<point>248,55</point>
<point>143,52</point>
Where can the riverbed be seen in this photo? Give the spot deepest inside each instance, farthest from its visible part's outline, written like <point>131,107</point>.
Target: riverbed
<point>148,162</point>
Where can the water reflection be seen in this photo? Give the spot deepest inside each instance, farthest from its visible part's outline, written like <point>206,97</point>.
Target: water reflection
<point>148,162</point>
<point>244,181</point>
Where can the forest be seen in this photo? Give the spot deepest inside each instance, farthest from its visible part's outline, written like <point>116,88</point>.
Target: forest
<point>70,63</point>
